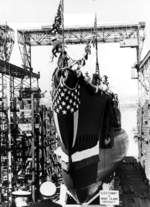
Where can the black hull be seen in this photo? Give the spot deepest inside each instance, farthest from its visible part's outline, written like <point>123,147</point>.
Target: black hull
<point>83,179</point>
<point>88,123</point>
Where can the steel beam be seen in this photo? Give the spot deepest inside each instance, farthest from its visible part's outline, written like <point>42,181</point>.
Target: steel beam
<point>15,71</point>
<point>129,35</point>
<point>79,35</point>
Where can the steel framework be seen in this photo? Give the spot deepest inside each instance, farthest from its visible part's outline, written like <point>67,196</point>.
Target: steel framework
<point>12,80</point>
<point>143,113</point>
<point>25,136</point>
<point>127,35</point>
<point>144,73</point>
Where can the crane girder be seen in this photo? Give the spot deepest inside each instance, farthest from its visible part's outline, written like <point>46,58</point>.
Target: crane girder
<point>123,34</point>
<point>7,68</point>
<point>79,35</point>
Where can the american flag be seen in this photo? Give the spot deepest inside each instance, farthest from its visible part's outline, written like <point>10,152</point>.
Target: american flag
<point>57,25</point>
<point>65,99</point>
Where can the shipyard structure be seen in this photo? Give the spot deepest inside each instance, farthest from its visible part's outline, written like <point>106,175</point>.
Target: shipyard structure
<point>28,135</point>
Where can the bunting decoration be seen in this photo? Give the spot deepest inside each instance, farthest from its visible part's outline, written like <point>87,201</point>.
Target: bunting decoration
<point>57,50</point>
<point>57,25</point>
<point>87,52</point>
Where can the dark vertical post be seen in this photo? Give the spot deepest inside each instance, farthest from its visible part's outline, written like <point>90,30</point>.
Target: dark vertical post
<point>33,149</point>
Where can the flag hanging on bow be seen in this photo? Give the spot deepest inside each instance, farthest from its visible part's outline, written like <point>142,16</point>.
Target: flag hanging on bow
<point>57,25</point>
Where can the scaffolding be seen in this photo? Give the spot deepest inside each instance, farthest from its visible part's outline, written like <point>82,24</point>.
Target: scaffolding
<point>13,80</point>
<point>27,135</point>
<point>143,114</point>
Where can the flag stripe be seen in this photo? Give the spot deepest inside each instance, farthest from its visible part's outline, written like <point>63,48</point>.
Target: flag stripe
<point>75,121</point>
<point>57,125</point>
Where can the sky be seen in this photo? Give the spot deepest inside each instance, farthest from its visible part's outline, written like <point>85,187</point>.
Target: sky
<point>114,61</point>
<point>44,10</point>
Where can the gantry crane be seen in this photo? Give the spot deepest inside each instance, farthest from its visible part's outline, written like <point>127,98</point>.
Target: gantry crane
<point>129,35</point>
